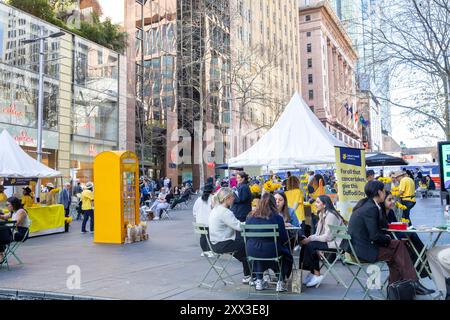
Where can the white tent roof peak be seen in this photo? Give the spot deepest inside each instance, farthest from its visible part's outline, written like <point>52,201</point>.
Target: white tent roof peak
<point>16,163</point>
<point>297,138</point>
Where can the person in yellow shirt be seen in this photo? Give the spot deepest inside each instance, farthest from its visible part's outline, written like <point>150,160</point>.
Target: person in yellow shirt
<point>407,193</point>
<point>27,199</point>
<point>3,196</point>
<point>50,196</point>
<point>295,197</point>
<point>87,207</point>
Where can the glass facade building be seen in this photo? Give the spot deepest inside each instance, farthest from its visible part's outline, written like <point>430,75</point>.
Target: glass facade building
<point>81,93</point>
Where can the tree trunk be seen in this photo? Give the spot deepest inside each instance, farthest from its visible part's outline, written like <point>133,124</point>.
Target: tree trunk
<point>447,106</point>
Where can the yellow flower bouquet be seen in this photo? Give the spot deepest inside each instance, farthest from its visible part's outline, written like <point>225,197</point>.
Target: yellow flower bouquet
<point>255,189</point>
<point>400,206</point>
<point>271,187</point>
<point>404,220</point>
<point>385,180</point>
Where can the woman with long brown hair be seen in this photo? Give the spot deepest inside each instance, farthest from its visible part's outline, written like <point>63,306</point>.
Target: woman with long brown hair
<point>267,213</point>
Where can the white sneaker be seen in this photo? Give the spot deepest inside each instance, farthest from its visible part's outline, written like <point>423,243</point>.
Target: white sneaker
<point>281,286</point>
<point>314,281</point>
<point>261,284</point>
<point>156,218</point>
<point>247,279</point>
<point>297,248</point>
<point>307,278</point>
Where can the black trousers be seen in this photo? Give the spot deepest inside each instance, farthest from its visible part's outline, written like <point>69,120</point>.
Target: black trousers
<point>88,215</point>
<point>309,259</point>
<point>409,205</point>
<point>238,247</point>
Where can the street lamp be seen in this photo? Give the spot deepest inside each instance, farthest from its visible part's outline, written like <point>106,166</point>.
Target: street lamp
<point>41,40</point>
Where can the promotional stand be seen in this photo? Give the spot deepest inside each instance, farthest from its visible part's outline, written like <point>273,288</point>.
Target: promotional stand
<point>116,196</point>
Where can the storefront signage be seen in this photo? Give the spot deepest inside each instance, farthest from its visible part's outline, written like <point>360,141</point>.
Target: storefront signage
<point>444,164</point>
<point>12,110</point>
<point>351,178</point>
<point>26,136</point>
<point>23,137</point>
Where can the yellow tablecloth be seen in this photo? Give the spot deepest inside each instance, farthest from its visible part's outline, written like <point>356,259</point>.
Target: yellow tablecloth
<point>46,219</point>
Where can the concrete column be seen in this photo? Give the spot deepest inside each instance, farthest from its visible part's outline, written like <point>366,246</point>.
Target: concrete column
<point>331,75</point>
<point>65,105</point>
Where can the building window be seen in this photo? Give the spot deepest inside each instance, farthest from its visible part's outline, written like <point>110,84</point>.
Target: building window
<point>310,78</point>
<point>311,94</point>
<point>308,18</point>
<point>308,48</point>
<point>308,34</point>
<point>310,63</point>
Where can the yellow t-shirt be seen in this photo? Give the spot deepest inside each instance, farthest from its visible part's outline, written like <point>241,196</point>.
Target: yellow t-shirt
<point>296,196</point>
<point>3,197</point>
<point>27,201</point>
<point>87,196</point>
<point>409,189</point>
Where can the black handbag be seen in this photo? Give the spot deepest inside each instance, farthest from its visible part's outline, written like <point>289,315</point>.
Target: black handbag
<point>401,290</point>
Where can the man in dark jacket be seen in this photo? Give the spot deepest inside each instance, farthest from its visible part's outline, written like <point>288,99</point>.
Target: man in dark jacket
<point>242,205</point>
<point>371,244</point>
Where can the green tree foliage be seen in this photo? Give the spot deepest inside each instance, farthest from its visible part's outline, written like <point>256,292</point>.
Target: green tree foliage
<point>104,33</point>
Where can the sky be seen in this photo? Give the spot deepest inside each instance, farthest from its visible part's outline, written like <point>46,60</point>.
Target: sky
<point>113,9</point>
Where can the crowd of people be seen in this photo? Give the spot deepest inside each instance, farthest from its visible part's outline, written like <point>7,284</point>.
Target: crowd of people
<point>223,210</point>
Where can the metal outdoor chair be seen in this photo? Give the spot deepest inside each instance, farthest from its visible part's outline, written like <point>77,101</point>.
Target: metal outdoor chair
<point>11,247</point>
<point>218,262</point>
<point>268,231</point>
<point>350,259</point>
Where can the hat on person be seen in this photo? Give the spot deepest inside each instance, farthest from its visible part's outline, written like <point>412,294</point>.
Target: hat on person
<point>399,174</point>
<point>50,185</point>
<point>27,189</point>
<point>89,185</point>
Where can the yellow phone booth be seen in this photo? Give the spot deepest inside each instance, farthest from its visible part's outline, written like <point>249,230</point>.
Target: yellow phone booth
<point>116,195</point>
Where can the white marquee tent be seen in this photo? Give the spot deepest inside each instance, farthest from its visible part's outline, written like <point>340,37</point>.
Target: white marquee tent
<point>16,163</point>
<point>297,139</point>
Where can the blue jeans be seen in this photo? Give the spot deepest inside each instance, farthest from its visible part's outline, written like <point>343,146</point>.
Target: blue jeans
<point>86,215</point>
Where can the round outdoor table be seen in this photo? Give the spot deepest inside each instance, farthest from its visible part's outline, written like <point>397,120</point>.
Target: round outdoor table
<point>433,237</point>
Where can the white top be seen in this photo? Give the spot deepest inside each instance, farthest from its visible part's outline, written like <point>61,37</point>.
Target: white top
<point>323,232</point>
<point>202,210</point>
<point>27,222</point>
<point>223,225</point>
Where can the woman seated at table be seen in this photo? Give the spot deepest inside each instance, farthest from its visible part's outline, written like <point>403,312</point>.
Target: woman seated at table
<point>27,199</point>
<point>388,216</point>
<point>18,214</point>
<point>323,239</point>
<point>222,230</point>
<point>371,244</point>
<point>288,215</point>
<point>267,213</point>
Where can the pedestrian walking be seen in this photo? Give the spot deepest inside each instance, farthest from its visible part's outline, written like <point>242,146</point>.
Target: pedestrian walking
<point>87,199</point>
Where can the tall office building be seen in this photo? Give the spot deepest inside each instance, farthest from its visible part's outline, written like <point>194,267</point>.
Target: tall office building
<point>264,33</point>
<point>328,67</point>
<point>221,68</point>
<point>84,94</point>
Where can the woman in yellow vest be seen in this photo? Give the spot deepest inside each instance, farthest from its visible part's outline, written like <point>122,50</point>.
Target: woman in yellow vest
<point>295,197</point>
<point>27,199</point>
<point>3,196</point>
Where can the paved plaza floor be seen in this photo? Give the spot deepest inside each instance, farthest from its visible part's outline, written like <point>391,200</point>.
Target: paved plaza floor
<point>167,266</point>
